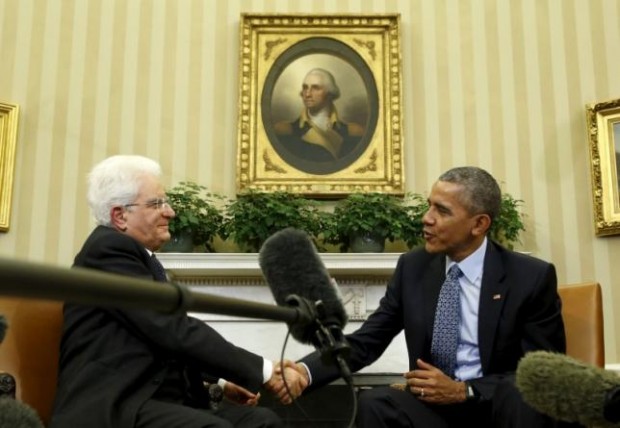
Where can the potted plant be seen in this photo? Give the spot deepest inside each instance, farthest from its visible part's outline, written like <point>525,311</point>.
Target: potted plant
<point>198,219</point>
<point>508,225</point>
<point>363,221</point>
<point>254,216</point>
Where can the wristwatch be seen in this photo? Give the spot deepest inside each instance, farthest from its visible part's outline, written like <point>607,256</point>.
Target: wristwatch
<point>470,392</point>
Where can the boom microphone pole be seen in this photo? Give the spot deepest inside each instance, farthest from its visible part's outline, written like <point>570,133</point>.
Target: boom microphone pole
<point>97,288</point>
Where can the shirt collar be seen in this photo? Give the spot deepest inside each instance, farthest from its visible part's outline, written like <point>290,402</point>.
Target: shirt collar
<point>305,118</point>
<point>472,265</point>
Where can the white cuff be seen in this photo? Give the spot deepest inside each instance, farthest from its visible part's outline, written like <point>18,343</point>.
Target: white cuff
<point>267,370</point>
<point>309,374</point>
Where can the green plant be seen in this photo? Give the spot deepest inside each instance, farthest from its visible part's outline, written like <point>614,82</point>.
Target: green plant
<point>196,212</point>
<point>508,225</point>
<point>374,214</point>
<point>417,206</point>
<point>254,216</point>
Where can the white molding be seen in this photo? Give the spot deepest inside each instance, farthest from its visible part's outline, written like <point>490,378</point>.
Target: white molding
<point>613,367</point>
<point>246,264</point>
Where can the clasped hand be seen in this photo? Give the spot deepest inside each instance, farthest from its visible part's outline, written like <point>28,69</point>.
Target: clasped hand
<point>288,381</point>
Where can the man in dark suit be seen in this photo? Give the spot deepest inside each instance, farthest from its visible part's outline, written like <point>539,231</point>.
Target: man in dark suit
<point>505,305</point>
<point>138,368</point>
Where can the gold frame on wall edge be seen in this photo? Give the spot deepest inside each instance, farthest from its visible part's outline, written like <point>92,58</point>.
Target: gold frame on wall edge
<point>361,148</point>
<point>603,121</point>
<point>9,114</point>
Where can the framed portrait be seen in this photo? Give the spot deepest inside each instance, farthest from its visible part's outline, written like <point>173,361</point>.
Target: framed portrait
<point>603,120</point>
<point>8,140</point>
<point>320,104</point>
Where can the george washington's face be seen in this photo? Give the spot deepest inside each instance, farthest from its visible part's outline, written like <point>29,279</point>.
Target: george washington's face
<point>314,93</point>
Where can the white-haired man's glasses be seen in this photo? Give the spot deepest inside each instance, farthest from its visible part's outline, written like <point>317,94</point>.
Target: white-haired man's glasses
<point>159,203</point>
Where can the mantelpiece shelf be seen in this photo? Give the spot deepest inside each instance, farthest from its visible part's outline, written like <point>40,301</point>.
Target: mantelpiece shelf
<point>246,264</point>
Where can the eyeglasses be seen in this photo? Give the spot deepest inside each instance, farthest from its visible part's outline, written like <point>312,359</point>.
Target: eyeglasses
<point>159,203</point>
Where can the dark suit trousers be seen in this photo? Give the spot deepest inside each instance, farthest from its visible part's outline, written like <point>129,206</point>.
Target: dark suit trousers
<point>162,414</point>
<point>388,407</point>
<point>169,408</point>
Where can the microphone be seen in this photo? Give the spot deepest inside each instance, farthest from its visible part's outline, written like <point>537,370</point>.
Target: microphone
<point>292,267</point>
<point>16,414</point>
<point>569,390</point>
<point>3,326</point>
<point>297,277</point>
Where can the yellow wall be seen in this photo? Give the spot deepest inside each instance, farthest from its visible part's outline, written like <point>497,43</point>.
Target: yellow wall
<point>495,83</point>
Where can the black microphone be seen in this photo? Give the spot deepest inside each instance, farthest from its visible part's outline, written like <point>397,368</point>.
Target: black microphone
<point>569,390</point>
<point>16,414</point>
<point>292,266</point>
<point>297,277</point>
<point>3,326</point>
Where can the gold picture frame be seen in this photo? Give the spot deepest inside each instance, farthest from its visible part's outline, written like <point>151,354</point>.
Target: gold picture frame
<point>9,114</point>
<point>360,146</point>
<point>603,121</point>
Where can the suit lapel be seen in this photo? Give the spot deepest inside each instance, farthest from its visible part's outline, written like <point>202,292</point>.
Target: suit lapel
<point>493,294</point>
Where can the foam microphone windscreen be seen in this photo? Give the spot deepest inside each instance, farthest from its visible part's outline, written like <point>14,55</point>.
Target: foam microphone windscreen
<point>291,266</point>
<point>564,388</point>
<point>15,414</point>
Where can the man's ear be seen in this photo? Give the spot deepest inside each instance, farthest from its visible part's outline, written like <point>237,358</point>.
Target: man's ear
<point>481,225</point>
<point>118,216</point>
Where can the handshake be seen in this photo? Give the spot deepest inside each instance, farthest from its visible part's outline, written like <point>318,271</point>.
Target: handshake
<point>288,381</point>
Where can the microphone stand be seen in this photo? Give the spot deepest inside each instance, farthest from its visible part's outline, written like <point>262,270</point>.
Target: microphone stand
<point>96,288</point>
<point>611,408</point>
<point>327,336</point>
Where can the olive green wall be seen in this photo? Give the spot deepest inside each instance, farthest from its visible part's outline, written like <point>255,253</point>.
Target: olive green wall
<point>495,83</point>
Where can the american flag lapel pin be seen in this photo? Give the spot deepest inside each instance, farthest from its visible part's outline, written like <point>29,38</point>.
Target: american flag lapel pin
<point>497,296</point>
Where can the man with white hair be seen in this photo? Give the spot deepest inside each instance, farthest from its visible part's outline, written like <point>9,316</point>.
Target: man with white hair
<point>122,368</point>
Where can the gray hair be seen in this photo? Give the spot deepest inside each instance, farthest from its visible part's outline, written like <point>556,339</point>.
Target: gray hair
<point>328,80</point>
<point>116,181</point>
<point>481,193</point>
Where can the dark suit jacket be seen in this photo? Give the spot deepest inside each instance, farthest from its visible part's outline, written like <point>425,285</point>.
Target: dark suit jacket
<point>112,360</point>
<point>520,311</point>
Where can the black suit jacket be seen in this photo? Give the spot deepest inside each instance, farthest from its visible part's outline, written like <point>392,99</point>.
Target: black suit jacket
<point>113,360</point>
<point>519,311</point>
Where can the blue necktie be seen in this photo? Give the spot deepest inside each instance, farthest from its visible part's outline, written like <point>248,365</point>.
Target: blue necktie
<point>447,322</point>
<point>158,269</point>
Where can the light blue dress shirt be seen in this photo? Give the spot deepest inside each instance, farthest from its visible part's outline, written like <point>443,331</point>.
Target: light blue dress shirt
<point>468,353</point>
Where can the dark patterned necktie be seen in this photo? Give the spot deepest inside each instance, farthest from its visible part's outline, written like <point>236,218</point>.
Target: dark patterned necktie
<point>158,268</point>
<point>447,322</point>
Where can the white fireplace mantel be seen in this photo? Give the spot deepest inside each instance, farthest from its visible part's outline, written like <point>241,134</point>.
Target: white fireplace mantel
<point>182,265</point>
<point>361,277</point>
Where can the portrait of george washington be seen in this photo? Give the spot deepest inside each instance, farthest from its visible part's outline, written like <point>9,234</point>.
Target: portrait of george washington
<point>320,106</point>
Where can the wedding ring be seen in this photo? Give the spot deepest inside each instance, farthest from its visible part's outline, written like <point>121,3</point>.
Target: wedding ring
<point>421,392</point>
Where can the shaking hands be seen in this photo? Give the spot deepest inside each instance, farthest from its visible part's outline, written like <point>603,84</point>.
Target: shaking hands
<point>288,381</point>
